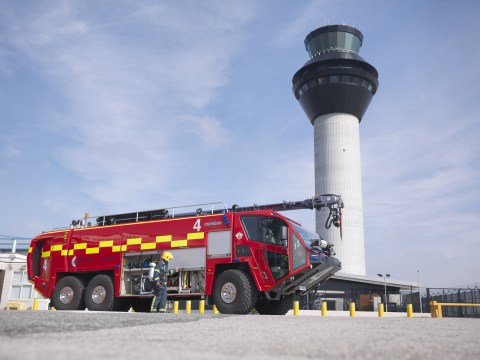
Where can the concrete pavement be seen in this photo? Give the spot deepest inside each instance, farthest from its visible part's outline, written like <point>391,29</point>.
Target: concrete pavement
<point>94,335</point>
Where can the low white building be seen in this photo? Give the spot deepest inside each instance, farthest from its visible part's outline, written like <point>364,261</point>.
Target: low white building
<point>16,292</point>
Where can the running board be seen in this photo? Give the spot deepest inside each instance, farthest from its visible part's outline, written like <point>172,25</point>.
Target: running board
<point>305,281</point>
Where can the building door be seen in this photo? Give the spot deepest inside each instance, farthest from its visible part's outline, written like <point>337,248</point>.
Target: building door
<point>2,276</point>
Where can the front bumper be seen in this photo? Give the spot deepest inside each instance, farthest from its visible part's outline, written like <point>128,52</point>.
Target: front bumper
<point>303,282</point>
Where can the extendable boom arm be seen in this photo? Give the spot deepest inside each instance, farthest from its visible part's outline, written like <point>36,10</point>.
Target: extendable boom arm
<point>333,202</point>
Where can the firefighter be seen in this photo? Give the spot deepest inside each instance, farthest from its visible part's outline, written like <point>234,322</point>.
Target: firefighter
<point>161,273</point>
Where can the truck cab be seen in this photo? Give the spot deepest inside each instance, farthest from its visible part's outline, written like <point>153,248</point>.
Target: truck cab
<point>283,258</point>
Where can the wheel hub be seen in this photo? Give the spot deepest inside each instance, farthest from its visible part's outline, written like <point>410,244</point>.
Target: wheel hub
<point>99,294</point>
<point>66,295</point>
<point>228,292</point>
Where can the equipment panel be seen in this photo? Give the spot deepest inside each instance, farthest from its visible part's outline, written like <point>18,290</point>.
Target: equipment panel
<point>135,272</point>
<point>190,278</point>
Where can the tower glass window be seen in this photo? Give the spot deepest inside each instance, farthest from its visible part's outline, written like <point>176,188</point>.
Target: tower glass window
<point>333,41</point>
<point>340,40</point>
<point>352,42</point>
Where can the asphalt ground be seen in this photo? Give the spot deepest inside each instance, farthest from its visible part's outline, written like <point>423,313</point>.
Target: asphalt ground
<point>99,335</point>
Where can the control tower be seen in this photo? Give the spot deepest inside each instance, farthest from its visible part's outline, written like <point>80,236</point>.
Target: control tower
<point>334,88</point>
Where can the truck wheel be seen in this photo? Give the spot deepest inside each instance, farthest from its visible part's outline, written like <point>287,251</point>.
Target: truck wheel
<point>234,292</point>
<point>68,294</point>
<point>142,305</point>
<point>274,307</point>
<point>99,295</point>
<point>262,307</point>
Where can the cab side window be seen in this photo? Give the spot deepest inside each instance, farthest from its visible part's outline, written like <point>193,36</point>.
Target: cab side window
<point>271,231</point>
<point>264,229</point>
<point>250,224</point>
<point>299,254</point>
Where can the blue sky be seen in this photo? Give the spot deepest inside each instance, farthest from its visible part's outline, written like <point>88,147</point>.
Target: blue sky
<point>109,106</point>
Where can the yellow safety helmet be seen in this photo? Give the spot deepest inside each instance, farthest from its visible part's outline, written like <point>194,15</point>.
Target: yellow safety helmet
<point>167,256</point>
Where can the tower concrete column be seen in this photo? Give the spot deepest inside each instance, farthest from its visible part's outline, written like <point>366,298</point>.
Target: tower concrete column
<point>334,88</point>
<point>338,171</point>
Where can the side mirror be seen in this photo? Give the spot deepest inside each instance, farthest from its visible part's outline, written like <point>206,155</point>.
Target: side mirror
<point>285,233</point>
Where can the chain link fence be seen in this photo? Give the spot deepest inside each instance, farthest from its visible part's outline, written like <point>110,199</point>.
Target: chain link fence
<point>455,295</point>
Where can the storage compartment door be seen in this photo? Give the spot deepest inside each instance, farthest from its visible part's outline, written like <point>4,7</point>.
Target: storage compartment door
<point>219,244</point>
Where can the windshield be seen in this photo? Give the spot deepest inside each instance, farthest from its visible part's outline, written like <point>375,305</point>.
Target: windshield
<point>308,236</point>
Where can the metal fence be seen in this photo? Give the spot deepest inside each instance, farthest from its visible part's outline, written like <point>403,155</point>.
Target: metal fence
<point>455,295</point>
<point>365,300</point>
<point>368,300</point>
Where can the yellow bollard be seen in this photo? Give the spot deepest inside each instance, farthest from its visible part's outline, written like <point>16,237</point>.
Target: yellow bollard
<point>409,310</point>
<point>296,307</point>
<point>52,308</point>
<point>175,307</point>
<point>35,304</point>
<point>352,309</point>
<point>436,309</point>
<point>380,310</point>
<point>324,308</point>
<point>188,306</point>
<point>433,305</point>
<point>201,307</point>
<point>215,310</point>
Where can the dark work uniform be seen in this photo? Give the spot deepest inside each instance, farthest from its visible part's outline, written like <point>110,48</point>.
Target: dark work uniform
<point>160,285</point>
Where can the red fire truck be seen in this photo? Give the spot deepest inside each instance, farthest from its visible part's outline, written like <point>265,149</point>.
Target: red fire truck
<point>237,258</point>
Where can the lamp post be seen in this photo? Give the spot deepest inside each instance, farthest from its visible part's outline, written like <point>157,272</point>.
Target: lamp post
<point>419,295</point>
<point>385,285</point>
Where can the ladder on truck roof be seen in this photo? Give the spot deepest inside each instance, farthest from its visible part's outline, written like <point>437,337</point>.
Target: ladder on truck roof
<point>165,213</point>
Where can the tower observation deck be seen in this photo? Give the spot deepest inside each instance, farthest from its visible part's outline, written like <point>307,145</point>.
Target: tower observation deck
<point>334,88</point>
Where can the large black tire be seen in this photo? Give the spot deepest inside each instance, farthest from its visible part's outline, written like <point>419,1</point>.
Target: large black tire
<point>68,294</point>
<point>142,305</point>
<point>274,307</point>
<point>234,292</point>
<point>262,307</point>
<point>100,295</point>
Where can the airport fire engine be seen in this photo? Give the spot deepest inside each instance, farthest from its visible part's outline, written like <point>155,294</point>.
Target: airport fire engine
<point>238,258</point>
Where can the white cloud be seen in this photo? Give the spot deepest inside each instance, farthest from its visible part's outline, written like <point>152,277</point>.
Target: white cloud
<point>312,15</point>
<point>125,90</point>
<point>309,14</point>
<point>56,205</point>
<point>10,151</point>
<point>420,191</point>
<point>209,130</point>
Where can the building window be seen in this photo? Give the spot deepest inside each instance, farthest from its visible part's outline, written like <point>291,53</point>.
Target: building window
<point>21,288</point>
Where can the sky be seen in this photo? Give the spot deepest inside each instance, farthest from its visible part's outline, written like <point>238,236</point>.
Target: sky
<point>121,106</point>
